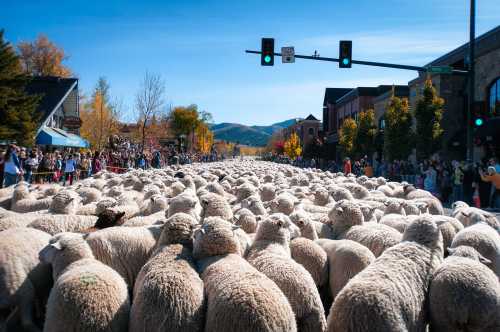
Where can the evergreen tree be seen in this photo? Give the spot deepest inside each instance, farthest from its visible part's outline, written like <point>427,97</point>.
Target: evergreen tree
<point>18,117</point>
<point>398,134</point>
<point>428,115</point>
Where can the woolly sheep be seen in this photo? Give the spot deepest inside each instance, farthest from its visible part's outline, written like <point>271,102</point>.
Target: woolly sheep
<point>484,239</point>
<point>312,257</point>
<point>306,225</point>
<point>152,219</point>
<point>215,205</point>
<point>31,205</point>
<point>463,212</point>
<point>65,202</point>
<point>245,219</point>
<point>270,254</point>
<point>168,293</point>
<point>23,278</point>
<point>390,294</point>
<point>87,295</point>
<point>254,204</point>
<point>346,221</point>
<point>239,298</point>
<point>185,203</point>
<point>125,249</point>
<point>267,192</point>
<point>346,258</point>
<point>89,195</point>
<point>464,294</point>
<point>57,223</point>
<point>154,204</point>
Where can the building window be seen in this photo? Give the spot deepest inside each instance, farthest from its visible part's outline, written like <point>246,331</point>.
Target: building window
<point>494,100</point>
<point>311,131</point>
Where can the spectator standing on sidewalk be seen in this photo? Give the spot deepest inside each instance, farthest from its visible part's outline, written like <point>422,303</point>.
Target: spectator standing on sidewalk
<point>2,163</point>
<point>12,167</point>
<point>458,180</point>
<point>468,184</point>
<point>69,170</point>
<point>494,178</point>
<point>30,166</point>
<point>96,163</point>
<point>347,166</point>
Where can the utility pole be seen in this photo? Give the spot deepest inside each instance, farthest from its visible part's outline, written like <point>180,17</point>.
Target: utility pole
<point>470,109</point>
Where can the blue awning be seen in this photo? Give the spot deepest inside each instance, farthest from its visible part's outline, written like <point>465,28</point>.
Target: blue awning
<point>59,137</point>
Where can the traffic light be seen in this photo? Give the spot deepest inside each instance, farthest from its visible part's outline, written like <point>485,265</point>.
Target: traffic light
<point>478,115</point>
<point>345,54</point>
<point>267,52</point>
<point>478,122</point>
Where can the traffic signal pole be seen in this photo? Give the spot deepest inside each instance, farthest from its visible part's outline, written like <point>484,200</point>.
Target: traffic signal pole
<point>365,63</point>
<point>470,108</point>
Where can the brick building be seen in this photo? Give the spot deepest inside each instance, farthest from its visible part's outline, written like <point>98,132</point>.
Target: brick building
<point>453,89</point>
<point>307,129</point>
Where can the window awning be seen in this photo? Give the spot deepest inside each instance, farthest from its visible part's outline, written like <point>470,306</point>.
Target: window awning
<point>59,137</point>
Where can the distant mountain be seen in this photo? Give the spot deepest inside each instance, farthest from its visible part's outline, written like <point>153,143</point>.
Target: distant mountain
<point>247,135</point>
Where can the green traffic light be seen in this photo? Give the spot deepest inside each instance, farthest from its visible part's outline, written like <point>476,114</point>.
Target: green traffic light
<point>267,59</point>
<point>345,61</point>
<point>478,122</point>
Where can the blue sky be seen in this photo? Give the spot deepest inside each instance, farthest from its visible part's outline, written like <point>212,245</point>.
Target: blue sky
<point>198,46</point>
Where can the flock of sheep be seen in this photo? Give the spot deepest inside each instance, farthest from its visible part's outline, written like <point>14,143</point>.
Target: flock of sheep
<point>244,246</point>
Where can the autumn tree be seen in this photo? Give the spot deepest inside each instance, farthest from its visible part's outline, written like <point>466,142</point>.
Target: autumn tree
<point>43,58</point>
<point>276,143</point>
<point>292,146</point>
<point>347,136</point>
<point>100,116</point>
<point>149,102</point>
<point>204,138</point>
<point>398,133</point>
<point>365,133</point>
<point>184,119</point>
<point>428,115</point>
<point>19,119</point>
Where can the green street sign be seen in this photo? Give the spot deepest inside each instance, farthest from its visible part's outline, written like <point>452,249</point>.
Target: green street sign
<point>440,70</point>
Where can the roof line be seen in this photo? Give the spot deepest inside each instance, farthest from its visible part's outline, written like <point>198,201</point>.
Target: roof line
<point>44,124</point>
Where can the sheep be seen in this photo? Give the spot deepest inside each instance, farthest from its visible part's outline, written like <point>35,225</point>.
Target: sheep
<point>346,258</point>
<point>12,220</point>
<point>168,293</point>
<point>390,294</point>
<point>306,225</point>
<point>185,203</point>
<point>284,203</point>
<point>254,204</point>
<point>89,195</point>
<point>23,278</point>
<point>463,212</point>
<point>57,223</point>
<point>484,239</point>
<point>87,295</point>
<point>464,294</point>
<point>152,219</point>
<point>346,220</point>
<point>31,205</point>
<point>267,192</point>
<point>312,257</point>
<point>270,254</point>
<point>125,249</point>
<point>65,202</point>
<point>245,219</point>
<point>239,298</point>
<point>215,205</point>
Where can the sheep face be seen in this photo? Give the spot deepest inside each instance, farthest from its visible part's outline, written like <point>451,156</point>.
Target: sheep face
<point>468,252</point>
<point>346,213</point>
<point>277,227</point>
<point>110,218</point>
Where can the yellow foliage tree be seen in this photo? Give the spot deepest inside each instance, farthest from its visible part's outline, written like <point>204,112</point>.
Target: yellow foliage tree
<point>204,138</point>
<point>347,136</point>
<point>100,119</point>
<point>292,146</point>
<point>43,58</point>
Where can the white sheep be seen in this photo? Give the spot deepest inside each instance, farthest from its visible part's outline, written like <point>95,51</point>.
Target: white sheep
<point>168,293</point>
<point>464,294</point>
<point>391,293</point>
<point>87,295</point>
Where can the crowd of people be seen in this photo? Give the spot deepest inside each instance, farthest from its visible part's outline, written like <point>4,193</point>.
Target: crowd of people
<point>65,166</point>
<point>477,184</point>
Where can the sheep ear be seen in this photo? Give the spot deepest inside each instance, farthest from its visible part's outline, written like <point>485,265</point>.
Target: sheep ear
<point>56,245</point>
<point>202,230</point>
<point>152,199</point>
<point>235,227</point>
<point>450,250</point>
<point>484,260</point>
<point>279,223</point>
<point>120,214</point>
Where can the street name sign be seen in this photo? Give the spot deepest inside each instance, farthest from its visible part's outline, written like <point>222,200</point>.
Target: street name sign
<point>440,70</point>
<point>287,54</point>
